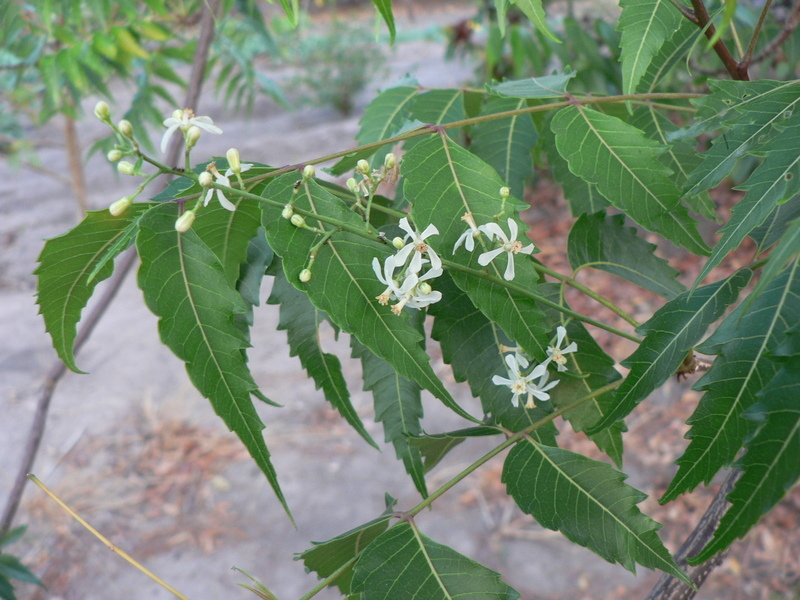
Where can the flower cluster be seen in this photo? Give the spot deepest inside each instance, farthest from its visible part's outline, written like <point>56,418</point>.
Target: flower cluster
<point>507,244</point>
<point>410,287</point>
<point>534,383</point>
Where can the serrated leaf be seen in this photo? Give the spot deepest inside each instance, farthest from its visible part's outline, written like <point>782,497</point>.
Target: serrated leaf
<point>603,242</point>
<point>670,334</point>
<point>770,464</point>
<point>433,448</point>
<point>384,7</point>
<point>547,86</point>
<point>186,286</point>
<point>622,162</point>
<point>671,52</point>
<point>588,502</point>
<point>398,405</point>
<point>788,246</point>
<point>343,284</point>
<point>771,230</point>
<point>750,112</point>
<point>12,568</point>
<point>71,265</point>
<point>506,144</point>
<point>402,563</point>
<point>382,118</point>
<point>437,107</point>
<point>534,11</point>
<point>645,26</point>
<point>743,342</point>
<point>301,321</point>
<point>775,180</point>
<point>443,181</point>
<point>325,558</point>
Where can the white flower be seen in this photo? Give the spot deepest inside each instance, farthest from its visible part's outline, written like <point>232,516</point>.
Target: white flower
<point>221,180</point>
<point>468,237</point>
<point>183,120</point>
<point>415,293</point>
<point>418,246</point>
<point>539,390</point>
<point>556,354</point>
<point>522,384</point>
<point>509,245</point>
<point>386,277</point>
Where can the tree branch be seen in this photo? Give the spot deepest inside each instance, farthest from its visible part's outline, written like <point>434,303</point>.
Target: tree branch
<point>700,17</point>
<point>58,368</point>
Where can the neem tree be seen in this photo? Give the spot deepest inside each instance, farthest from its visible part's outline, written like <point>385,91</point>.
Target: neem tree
<point>450,246</point>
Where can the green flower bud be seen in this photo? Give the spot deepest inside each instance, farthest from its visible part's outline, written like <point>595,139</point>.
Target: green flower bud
<point>125,168</point>
<point>102,111</point>
<point>125,128</point>
<point>309,171</point>
<point>305,275</point>
<point>352,184</point>
<point>505,192</point>
<point>298,221</point>
<point>205,179</point>
<point>287,211</point>
<point>120,206</point>
<point>398,242</point>
<point>425,288</point>
<point>184,222</point>
<point>114,155</point>
<point>234,162</point>
<point>390,161</point>
<point>193,136</point>
<point>363,167</point>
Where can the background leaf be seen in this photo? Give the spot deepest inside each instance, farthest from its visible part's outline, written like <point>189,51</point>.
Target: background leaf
<point>547,86</point>
<point>402,563</point>
<point>185,285</point>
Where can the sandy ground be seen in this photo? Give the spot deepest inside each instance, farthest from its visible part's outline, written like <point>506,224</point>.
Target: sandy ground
<point>143,457</point>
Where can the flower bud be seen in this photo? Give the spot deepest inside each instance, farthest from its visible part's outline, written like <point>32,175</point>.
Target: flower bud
<point>120,206</point>
<point>125,128</point>
<point>352,184</point>
<point>298,221</point>
<point>125,168</point>
<point>114,155</point>
<point>102,111</point>
<point>390,161</point>
<point>305,275</point>
<point>205,179</point>
<point>234,162</point>
<point>177,114</point>
<point>504,192</point>
<point>287,211</point>
<point>398,242</point>
<point>193,136</point>
<point>425,288</point>
<point>309,171</point>
<point>184,222</point>
<point>363,167</point>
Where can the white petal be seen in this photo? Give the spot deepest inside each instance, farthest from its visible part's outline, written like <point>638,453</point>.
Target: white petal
<point>493,230</point>
<point>509,274</point>
<point>205,123</point>
<point>416,262</point>
<point>528,249</point>
<point>404,225</point>
<point>573,347</point>
<point>226,204</point>
<point>376,266</point>
<point>429,231</point>
<point>497,380</point>
<point>431,274</point>
<point>512,228</point>
<point>168,134</point>
<point>465,237</point>
<point>487,257</point>
<point>402,255</point>
<point>209,193</point>
<point>436,262</point>
<point>470,242</point>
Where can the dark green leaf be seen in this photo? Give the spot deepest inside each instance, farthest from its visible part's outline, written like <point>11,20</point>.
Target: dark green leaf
<point>325,558</point>
<point>670,54</point>
<point>605,243</point>
<point>771,230</point>
<point>398,405</point>
<point>301,321</point>
<point>535,12</point>
<point>743,367</point>
<point>506,144</point>
<point>12,568</point>
<point>67,272</point>
<point>770,464</point>
<point>588,502</point>
<point>671,333</point>
<point>433,448</point>
<point>344,284</point>
<point>436,107</point>
<point>384,7</point>
<point>402,563</point>
<point>788,246</point>
<point>186,286</point>
<point>623,163</point>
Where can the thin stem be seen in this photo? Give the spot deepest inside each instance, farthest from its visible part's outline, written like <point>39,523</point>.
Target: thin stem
<point>77,179</point>
<point>109,545</point>
<point>701,18</point>
<point>328,580</point>
<point>745,62</point>
<point>587,291</point>
<point>788,29</point>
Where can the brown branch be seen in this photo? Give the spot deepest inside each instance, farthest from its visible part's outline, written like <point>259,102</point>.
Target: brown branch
<point>788,29</point>
<point>58,368</point>
<point>670,588</point>
<point>76,173</point>
<point>701,18</point>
